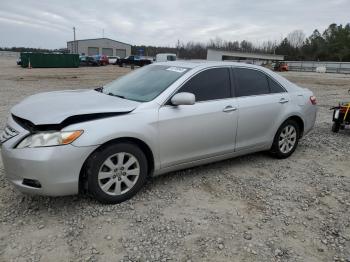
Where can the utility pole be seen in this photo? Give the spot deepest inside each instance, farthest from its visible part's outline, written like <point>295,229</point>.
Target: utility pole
<point>75,44</point>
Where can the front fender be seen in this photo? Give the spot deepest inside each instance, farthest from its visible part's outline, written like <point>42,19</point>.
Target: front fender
<point>132,125</point>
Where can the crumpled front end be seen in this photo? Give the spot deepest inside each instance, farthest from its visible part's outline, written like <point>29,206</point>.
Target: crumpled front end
<point>52,171</point>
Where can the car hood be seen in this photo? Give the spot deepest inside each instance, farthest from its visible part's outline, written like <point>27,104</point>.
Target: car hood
<point>54,107</point>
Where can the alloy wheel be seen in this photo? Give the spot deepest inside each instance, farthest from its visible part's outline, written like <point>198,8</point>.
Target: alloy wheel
<point>287,139</point>
<point>119,173</point>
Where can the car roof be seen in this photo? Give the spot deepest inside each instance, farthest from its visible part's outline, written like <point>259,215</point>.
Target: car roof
<point>204,64</point>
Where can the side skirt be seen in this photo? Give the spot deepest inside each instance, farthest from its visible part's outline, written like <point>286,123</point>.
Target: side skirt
<point>208,160</point>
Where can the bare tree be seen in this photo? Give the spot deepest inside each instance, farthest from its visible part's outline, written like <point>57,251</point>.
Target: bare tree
<point>296,38</point>
<point>268,46</point>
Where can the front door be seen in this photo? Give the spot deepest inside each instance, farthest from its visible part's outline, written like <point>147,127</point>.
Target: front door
<point>205,129</point>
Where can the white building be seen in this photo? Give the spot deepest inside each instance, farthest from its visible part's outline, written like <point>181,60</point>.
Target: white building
<point>255,58</point>
<point>99,46</point>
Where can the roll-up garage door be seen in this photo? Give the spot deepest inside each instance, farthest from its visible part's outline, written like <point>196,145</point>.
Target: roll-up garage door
<point>107,51</point>
<point>93,51</point>
<point>120,52</point>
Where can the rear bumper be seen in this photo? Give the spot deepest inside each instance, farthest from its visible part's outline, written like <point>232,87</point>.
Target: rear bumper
<point>57,168</point>
<point>310,120</point>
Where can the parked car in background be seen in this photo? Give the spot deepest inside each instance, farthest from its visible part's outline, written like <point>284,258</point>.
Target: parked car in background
<point>88,61</point>
<point>133,60</point>
<point>113,59</point>
<point>157,119</point>
<point>281,67</point>
<point>82,60</point>
<point>102,59</point>
<point>165,57</point>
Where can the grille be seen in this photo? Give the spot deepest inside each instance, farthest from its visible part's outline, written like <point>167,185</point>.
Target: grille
<point>7,134</point>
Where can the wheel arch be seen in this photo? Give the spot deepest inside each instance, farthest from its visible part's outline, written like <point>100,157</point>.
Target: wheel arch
<point>300,123</point>
<point>141,144</point>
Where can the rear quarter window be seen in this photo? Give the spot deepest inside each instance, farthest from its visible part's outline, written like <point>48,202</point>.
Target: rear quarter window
<point>275,87</point>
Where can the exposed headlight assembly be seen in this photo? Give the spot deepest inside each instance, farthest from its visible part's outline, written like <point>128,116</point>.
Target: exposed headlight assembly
<point>44,139</point>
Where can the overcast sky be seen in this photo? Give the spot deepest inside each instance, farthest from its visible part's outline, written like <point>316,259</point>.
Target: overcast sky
<point>48,24</point>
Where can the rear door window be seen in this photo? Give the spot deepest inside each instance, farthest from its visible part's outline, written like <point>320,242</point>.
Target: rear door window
<point>251,82</point>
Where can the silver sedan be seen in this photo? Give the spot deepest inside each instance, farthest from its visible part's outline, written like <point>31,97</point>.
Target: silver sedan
<point>157,119</point>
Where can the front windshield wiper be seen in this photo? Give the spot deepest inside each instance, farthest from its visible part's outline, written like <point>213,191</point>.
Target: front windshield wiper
<point>111,94</point>
<point>123,97</point>
<point>99,89</point>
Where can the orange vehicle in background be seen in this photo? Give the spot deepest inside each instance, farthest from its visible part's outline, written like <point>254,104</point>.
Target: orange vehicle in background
<point>281,67</point>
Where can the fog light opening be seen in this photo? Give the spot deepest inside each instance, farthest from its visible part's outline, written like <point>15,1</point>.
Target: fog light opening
<point>31,183</point>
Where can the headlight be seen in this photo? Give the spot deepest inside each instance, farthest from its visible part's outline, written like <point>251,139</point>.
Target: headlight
<point>43,139</point>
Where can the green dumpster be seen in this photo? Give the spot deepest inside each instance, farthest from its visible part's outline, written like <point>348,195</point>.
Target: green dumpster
<point>48,60</point>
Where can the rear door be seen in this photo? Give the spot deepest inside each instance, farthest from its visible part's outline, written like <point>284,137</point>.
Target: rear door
<point>262,103</point>
<point>205,129</point>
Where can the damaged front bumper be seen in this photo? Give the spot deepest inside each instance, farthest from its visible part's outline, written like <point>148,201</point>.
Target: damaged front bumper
<point>52,171</point>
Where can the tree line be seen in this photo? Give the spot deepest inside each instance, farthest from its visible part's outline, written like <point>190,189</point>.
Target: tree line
<point>332,45</point>
<point>34,50</point>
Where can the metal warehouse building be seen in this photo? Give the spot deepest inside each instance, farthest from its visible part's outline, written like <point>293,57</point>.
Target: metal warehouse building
<point>219,55</point>
<point>99,46</point>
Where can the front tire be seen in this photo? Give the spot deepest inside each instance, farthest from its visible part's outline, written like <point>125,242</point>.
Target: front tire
<point>286,139</point>
<point>116,172</point>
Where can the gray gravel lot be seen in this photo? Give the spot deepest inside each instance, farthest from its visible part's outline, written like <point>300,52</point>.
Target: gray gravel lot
<point>252,208</point>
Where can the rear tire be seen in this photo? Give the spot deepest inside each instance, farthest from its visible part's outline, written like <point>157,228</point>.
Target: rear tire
<point>116,172</point>
<point>286,139</point>
<point>335,127</point>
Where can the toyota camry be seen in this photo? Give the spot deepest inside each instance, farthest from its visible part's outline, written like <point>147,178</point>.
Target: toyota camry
<point>160,118</point>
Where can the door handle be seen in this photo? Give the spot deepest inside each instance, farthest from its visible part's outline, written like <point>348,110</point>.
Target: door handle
<point>283,100</point>
<point>229,109</point>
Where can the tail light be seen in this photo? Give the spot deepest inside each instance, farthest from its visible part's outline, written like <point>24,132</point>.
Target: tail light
<point>313,100</point>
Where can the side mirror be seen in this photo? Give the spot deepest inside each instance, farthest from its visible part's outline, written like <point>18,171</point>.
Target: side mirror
<point>183,98</point>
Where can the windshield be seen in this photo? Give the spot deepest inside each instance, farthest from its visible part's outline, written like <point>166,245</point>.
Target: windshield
<point>171,58</point>
<point>144,84</point>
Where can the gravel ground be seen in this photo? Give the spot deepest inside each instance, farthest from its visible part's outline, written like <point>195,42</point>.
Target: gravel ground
<point>251,208</point>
